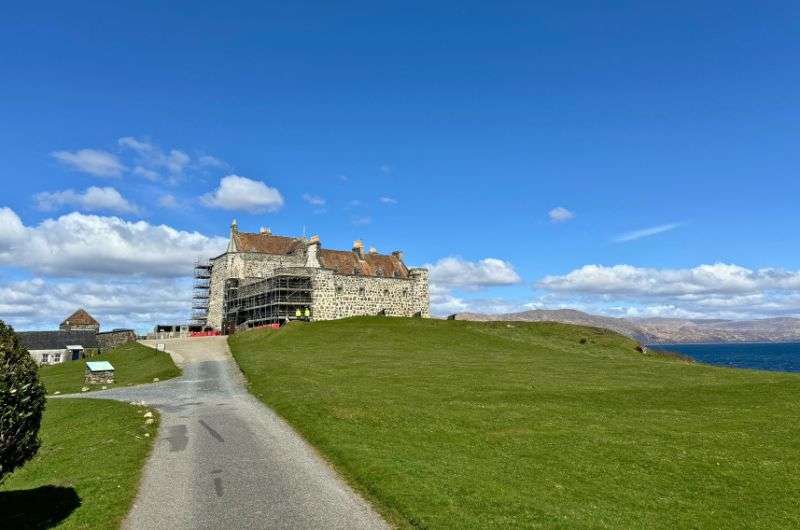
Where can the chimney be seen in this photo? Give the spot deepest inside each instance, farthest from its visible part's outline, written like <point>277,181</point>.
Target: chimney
<point>358,248</point>
<point>373,250</point>
<point>398,254</point>
<point>265,231</point>
<point>312,248</point>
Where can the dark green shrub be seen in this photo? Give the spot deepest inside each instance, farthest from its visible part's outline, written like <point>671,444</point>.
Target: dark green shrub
<point>21,403</point>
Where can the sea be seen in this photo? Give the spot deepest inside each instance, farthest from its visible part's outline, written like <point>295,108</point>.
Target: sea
<point>777,356</point>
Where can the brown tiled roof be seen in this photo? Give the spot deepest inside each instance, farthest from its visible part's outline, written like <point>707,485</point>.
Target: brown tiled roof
<point>346,262</point>
<point>80,318</point>
<point>266,243</point>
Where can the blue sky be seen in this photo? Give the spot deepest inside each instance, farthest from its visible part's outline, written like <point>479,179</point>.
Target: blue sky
<point>621,158</point>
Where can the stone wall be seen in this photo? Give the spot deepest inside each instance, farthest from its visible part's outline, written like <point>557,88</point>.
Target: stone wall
<point>108,340</point>
<point>341,296</point>
<point>104,377</point>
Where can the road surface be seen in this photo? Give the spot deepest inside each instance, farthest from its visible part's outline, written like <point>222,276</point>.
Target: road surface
<point>223,460</point>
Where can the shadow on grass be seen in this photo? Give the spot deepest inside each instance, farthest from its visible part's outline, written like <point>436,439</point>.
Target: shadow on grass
<point>41,507</point>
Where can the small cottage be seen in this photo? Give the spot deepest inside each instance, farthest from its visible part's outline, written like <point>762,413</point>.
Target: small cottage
<point>53,347</point>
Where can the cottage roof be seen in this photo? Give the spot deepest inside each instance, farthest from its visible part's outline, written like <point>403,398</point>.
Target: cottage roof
<point>347,262</point>
<point>80,318</point>
<point>56,340</point>
<point>266,243</point>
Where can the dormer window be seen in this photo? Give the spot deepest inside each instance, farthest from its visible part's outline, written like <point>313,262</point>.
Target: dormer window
<point>379,272</point>
<point>356,271</point>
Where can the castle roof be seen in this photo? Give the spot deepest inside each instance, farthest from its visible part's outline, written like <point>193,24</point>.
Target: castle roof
<point>372,264</point>
<point>265,243</point>
<point>80,318</point>
<point>341,261</point>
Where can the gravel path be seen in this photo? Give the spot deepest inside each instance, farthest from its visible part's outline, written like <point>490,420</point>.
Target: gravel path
<point>224,460</point>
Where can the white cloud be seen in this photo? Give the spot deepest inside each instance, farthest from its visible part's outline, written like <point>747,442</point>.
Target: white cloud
<point>82,245</point>
<point>93,199</point>
<point>212,161</point>
<point>559,214</point>
<point>388,200</point>
<point>453,272</point>
<point>717,290</point>
<point>241,193</point>
<point>719,278</point>
<point>92,161</point>
<point>314,200</point>
<point>646,232</point>
<point>42,303</point>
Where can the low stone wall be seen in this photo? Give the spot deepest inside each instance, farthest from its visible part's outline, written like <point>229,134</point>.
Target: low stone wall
<point>105,377</point>
<point>108,340</point>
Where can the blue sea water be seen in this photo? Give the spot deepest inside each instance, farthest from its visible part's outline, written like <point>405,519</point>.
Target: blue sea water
<point>779,356</point>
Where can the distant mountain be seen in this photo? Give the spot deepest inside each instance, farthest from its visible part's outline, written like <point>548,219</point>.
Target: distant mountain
<point>663,330</point>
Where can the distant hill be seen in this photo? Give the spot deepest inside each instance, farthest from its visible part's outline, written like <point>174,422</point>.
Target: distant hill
<point>663,330</point>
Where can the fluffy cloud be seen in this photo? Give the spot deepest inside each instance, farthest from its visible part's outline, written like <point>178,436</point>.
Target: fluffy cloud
<point>559,214</point>
<point>241,193</point>
<point>387,200</point>
<point>93,199</point>
<point>314,200</point>
<point>451,274</point>
<point>646,232</point>
<point>471,275</point>
<point>78,245</point>
<point>719,278</point>
<point>92,161</point>
<point>41,304</point>
<point>718,290</point>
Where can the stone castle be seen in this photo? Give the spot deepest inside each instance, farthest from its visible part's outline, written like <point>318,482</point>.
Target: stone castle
<point>263,278</point>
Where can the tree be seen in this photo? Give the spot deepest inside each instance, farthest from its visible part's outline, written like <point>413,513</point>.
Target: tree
<point>21,403</point>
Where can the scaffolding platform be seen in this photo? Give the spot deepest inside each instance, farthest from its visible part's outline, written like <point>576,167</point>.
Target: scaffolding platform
<point>260,301</point>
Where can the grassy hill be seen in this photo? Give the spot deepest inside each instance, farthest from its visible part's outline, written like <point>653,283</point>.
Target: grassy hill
<point>87,470</point>
<point>450,424</point>
<point>133,363</point>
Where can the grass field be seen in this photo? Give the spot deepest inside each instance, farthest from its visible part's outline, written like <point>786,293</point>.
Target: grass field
<point>87,470</point>
<point>133,363</point>
<point>448,424</point>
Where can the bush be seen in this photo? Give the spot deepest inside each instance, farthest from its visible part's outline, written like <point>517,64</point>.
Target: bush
<point>21,403</point>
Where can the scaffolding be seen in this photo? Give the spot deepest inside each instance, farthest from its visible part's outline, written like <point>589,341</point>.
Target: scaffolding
<point>255,302</point>
<point>200,292</point>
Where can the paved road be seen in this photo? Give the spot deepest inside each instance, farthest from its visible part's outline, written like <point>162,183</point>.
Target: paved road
<point>224,460</point>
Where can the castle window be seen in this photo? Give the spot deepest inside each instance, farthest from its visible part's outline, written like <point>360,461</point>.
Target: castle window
<point>362,291</point>
<point>405,292</point>
<point>379,272</point>
<point>386,292</point>
<point>339,289</point>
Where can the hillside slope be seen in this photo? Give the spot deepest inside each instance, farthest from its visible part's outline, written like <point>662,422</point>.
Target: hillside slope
<point>660,330</point>
<point>452,424</point>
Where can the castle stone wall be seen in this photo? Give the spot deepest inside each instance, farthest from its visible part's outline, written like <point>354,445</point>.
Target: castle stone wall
<point>340,296</point>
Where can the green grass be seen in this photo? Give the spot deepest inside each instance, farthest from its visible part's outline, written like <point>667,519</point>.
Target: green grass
<point>87,470</point>
<point>448,424</point>
<point>133,363</point>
